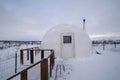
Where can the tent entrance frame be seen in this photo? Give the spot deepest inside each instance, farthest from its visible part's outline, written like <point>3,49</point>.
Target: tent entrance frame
<point>67,45</point>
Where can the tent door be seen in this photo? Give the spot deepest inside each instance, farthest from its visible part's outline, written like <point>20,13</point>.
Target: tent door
<point>67,46</point>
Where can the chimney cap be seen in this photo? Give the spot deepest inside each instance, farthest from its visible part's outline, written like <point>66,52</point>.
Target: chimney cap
<point>83,20</point>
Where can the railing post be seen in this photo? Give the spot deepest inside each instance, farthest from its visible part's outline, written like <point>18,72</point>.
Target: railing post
<point>24,75</point>
<point>44,69</point>
<point>42,54</point>
<point>53,56</point>
<point>21,57</point>
<point>27,54</point>
<point>51,65</point>
<point>32,56</point>
<point>15,62</point>
<point>51,62</point>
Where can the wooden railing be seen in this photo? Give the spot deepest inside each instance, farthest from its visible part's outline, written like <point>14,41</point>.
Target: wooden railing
<point>44,73</point>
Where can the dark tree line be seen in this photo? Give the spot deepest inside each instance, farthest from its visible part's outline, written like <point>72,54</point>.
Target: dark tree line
<point>4,44</point>
<point>106,42</point>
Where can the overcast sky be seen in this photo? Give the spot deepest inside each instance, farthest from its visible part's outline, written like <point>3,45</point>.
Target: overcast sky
<point>31,19</point>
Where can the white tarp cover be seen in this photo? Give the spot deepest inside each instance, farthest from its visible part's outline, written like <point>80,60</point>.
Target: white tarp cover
<point>82,45</point>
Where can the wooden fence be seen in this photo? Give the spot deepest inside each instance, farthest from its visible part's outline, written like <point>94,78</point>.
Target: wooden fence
<point>43,64</point>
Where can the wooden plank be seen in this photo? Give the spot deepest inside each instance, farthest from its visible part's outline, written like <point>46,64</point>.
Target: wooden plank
<point>42,54</point>
<point>24,75</point>
<point>52,58</point>
<point>44,69</point>
<point>51,61</point>
<point>31,56</point>
<point>28,54</point>
<point>21,57</point>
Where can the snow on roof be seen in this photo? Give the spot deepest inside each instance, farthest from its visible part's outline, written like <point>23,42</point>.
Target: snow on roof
<point>64,27</point>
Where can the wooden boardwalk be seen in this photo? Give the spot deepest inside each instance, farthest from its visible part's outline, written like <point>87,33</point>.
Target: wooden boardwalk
<point>61,71</point>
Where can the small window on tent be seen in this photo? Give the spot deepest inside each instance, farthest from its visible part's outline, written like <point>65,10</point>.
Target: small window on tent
<point>67,39</point>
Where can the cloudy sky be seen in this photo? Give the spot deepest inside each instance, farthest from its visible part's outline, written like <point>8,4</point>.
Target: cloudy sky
<point>31,19</point>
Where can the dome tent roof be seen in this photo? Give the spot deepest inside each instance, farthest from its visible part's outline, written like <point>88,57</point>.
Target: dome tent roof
<point>64,27</point>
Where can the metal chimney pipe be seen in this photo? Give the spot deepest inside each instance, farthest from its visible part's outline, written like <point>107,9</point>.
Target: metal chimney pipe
<point>83,24</point>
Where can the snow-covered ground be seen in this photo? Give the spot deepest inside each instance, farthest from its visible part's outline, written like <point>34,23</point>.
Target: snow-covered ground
<point>7,60</point>
<point>97,67</point>
<point>104,66</point>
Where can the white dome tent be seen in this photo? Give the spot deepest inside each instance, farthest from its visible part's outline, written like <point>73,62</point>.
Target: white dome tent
<point>68,41</point>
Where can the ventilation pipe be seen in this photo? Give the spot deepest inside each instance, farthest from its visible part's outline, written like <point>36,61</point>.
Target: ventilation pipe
<point>83,24</point>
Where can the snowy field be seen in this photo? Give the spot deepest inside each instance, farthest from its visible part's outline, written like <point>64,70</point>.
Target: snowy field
<point>104,66</point>
<point>97,67</point>
<point>7,59</point>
